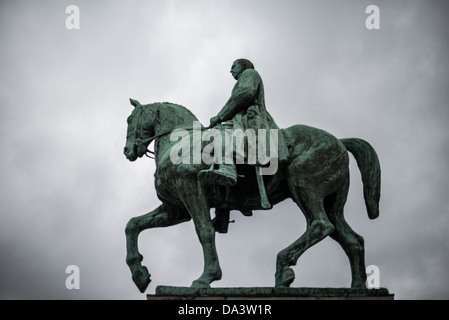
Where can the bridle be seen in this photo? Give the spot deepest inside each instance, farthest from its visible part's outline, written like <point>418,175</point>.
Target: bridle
<point>140,141</point>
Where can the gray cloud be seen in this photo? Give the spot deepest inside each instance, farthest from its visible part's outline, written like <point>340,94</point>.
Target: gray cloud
<point>67,191</point>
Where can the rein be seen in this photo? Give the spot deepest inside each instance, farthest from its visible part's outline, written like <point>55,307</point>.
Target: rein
<point>148,140</point>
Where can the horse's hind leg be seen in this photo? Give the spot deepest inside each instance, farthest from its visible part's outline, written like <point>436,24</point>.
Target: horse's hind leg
<point>351,242</point>
<point>162,216</point>
<point>318,227</point>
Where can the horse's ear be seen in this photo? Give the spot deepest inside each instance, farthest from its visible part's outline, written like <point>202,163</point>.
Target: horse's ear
<point>135,103</point>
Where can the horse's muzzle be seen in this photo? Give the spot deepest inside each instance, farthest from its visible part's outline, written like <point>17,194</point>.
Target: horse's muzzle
<point>130,153</point>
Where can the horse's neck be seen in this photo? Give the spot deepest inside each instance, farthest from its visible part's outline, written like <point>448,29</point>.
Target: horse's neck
<point>171,118</point>
<point>161,147</point>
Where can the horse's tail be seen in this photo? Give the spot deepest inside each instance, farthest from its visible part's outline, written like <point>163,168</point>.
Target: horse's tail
<point>369,166</point>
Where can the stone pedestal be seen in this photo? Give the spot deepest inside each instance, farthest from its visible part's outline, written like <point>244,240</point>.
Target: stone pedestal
<point>268,293</point>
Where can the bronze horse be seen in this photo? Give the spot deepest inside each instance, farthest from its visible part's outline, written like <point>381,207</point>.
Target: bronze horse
<point>316,177</point>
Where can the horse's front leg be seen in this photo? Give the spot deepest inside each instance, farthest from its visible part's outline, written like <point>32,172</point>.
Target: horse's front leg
<point>160,217</point>
<point>197,206</point>
<point>206,234</point>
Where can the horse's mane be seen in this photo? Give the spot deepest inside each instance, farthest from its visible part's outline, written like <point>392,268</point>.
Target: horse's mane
<point>176,109</point>
<point>171,115</point>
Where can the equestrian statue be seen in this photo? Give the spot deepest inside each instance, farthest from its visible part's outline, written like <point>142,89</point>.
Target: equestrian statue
<point>233,172</point>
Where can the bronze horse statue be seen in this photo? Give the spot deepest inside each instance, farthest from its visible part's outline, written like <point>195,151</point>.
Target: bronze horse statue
<point>316,177</point>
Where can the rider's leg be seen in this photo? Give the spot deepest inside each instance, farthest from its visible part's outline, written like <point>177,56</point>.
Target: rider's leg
<point>224,171</point>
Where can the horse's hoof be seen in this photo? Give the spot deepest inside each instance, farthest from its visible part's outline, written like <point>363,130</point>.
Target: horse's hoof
<point>200,284</point>
<point>141,278</point>
<point>285,278</point>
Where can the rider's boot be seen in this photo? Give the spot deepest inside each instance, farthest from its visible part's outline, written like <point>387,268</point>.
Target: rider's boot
<point>225,175</point>
<point>221,220</point>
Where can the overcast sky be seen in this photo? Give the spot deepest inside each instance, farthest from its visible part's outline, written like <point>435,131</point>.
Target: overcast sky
<point>67,191</point>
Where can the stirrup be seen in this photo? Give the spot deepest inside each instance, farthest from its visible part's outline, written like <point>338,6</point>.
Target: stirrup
<point>212,176</point>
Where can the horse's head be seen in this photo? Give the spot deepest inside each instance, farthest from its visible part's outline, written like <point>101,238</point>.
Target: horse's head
<point>140,131</point>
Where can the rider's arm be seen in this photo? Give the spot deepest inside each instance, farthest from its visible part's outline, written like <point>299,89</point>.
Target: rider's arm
<point>243,95</point>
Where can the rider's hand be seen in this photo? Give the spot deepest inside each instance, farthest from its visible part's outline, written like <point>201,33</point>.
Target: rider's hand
<point>214,121</point>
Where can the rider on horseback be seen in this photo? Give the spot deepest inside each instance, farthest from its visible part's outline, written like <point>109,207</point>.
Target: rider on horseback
<point>245,109</point>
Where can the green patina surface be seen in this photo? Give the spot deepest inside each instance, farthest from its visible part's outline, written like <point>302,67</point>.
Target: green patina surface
<point>313,172</point>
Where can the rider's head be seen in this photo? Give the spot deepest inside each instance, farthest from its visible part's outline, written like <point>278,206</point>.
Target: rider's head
<point>239,66</point>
